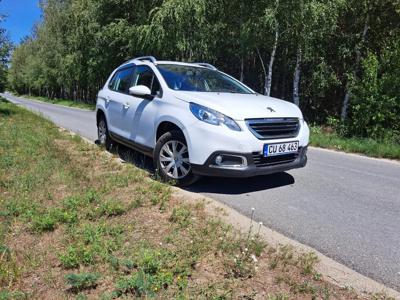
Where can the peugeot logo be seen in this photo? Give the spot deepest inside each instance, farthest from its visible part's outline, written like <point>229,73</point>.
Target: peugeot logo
<point>270,109</point>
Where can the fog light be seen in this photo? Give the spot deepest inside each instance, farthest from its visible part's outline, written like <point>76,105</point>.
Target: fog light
<point>230,161</point>
<point>218,160</point>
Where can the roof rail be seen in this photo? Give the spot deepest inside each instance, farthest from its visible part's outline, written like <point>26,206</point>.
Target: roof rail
<point>206,65</point>
<point>149,58</point>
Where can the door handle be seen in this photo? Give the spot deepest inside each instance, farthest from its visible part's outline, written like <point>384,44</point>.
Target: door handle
<point>108,99</point>
<point>126,105</point>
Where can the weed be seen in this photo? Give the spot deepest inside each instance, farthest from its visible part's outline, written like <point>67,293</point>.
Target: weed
<point>82,281</point>
<point>144,284</point>
<point>181,215</point>
<point>112,207</point>
<point>11,295</point>
<point>10,271</point>
<point>307,262</point>
<point>70,258</point>
<point>278,296</point>
<point>44,222</point>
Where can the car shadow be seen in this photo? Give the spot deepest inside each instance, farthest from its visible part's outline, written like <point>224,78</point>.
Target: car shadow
<point>237,186</point>
<point>215,185</point>
<point>128,155</point>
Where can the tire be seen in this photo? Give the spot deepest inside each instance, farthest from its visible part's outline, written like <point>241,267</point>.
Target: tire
<point>173,166</point>
<point>103,135</point>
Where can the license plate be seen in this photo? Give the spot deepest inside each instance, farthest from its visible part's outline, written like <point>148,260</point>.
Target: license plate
<point>280,149</point>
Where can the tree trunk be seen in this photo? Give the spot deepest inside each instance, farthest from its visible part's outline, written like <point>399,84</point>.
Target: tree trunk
<point>268,80</point>
<point>241,69</point>
<point>296,80</point>
<point>263,67</point>
<point>347,96</point>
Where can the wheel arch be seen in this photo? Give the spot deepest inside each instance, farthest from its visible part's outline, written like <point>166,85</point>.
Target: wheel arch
<point>166,126</point>
<point>100,113</point>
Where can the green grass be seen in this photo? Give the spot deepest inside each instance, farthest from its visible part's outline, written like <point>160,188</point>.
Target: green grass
<point>368,147</point>
<point>64,102</point>
<point>78,224</point>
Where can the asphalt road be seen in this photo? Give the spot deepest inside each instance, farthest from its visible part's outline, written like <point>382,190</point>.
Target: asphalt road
<point>345,206</point>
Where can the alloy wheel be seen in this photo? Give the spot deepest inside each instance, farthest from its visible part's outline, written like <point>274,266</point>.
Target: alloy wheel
<point>174,159</point>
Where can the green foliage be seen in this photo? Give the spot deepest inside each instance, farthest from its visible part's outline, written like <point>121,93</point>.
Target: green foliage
<point>325,138</point>
<point>82,281</point>
<point>80,42</point>
<point>376,110</point>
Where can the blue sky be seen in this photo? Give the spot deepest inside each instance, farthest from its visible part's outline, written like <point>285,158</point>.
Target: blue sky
<point>21,16</point>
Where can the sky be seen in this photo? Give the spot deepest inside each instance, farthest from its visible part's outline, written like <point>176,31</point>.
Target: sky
<point>21,15</point>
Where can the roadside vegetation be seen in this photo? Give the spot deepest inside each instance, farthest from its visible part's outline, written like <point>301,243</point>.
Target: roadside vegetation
<point>326,137</point>
<point>75,222</point>
<point>64,102</point>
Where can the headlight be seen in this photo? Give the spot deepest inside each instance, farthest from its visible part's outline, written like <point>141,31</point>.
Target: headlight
<point>213,117</point>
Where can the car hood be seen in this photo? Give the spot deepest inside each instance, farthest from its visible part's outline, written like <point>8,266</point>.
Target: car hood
<point>243,106</point>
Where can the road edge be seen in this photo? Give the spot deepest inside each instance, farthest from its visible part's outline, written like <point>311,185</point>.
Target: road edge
<point>44,102</point>
<point>331,270</point>
<point>359,155</point>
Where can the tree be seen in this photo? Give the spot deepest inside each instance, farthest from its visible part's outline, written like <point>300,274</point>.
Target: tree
<point>319,54</point>
<point>5,48</point>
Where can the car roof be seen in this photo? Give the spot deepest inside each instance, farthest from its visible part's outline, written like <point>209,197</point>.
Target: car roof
<point>151,61</point>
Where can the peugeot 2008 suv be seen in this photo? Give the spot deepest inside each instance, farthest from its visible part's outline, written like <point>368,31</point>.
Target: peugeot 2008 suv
<point>194,120</point>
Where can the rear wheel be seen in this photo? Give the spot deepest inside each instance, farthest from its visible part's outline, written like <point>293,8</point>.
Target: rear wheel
<point>171,158</point>
<point>103,134</point>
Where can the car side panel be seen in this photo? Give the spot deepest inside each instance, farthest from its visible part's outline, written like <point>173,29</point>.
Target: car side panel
<point>144,122</point>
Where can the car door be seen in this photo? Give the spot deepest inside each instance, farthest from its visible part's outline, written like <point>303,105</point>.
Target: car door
<point>140,118</point>
<point>117,100</point>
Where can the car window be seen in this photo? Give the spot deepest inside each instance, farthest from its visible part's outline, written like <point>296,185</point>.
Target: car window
<point>199,79</point>
<point>121,80</point>
<point>144,75</point>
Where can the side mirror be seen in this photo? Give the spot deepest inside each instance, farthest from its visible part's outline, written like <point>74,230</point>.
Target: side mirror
<point>141,91</point>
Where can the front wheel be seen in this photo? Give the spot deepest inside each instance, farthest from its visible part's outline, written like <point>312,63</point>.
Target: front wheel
<point>171,159</point>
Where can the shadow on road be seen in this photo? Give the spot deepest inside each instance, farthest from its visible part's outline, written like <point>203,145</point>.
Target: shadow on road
<point>216,185</point>
<point>236,186</point>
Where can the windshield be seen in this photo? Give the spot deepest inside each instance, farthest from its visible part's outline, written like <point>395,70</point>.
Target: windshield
<point>198,79</point>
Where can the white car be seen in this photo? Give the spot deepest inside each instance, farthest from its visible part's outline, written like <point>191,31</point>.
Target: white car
<point>194,120</point>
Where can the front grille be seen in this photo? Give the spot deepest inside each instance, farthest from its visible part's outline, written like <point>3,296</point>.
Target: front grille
<point>274,128</point>
<point>261,161</point>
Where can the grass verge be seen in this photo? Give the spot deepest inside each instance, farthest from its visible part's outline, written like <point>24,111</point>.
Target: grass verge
<point>369,147</point>
<point>76,223</point>
<point>64,102</point>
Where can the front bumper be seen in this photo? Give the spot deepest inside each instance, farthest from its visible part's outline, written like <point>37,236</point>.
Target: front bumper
<point>256,165</point>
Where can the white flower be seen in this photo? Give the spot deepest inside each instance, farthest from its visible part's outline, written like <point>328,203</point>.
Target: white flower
<point>245,249</point>
<point>254,258</point>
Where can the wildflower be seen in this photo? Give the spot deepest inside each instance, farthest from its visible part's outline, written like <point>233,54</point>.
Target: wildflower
<point>254,258</point>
